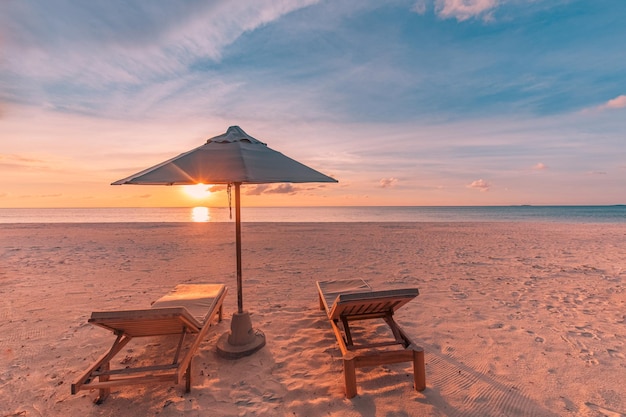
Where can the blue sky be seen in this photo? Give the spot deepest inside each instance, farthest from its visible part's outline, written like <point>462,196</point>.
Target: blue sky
<point>423,102</point>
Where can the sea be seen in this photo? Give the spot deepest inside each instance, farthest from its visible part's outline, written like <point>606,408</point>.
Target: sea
<point>559,214</point>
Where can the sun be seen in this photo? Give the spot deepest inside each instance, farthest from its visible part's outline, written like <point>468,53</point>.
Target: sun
<point>197,190</point>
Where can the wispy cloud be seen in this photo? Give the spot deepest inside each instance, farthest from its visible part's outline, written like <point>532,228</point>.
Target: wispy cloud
<point>540,166</point>
<point>19,158</point>
<point>29,196</point>
<point>18,162</point>
<point>88,47</point>
<point>301,58</point>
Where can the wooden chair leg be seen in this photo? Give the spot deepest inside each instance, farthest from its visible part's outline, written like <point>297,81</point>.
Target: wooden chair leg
<point>349,374</point>
<point>103,393</point>
<point>346,330</point>
<point>188,378</point>
<point>419,369</point>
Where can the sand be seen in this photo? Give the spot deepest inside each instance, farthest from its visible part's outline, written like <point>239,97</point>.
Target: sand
<point>516,319</point>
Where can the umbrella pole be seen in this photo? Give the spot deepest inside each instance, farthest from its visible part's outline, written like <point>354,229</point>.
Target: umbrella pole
<point>238,247</point>
<point>242,340</point>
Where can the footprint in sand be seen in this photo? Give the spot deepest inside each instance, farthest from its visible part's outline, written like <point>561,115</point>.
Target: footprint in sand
<point>584,353</point>
<point>538,339</point>
<point>589,358</point>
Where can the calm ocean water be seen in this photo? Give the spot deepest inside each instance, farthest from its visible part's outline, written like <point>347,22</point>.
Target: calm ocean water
<point>563,214</point>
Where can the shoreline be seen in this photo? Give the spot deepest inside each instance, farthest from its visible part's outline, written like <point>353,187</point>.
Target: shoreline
<point>515,318</point>
<point>550,214</point>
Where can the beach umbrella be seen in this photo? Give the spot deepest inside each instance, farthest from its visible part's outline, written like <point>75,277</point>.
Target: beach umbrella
<point>233,158</point>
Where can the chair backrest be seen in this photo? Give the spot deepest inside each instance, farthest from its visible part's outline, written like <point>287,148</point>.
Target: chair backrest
<point>370,302</point>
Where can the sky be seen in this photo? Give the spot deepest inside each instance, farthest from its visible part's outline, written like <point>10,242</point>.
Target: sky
<point>418,102</point>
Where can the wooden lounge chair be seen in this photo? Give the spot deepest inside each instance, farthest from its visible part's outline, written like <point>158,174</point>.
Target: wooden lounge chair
<point>353,300</point>
<point>188,310</point>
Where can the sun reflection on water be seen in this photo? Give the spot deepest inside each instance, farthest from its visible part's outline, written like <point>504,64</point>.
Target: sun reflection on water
<point>200,214</point>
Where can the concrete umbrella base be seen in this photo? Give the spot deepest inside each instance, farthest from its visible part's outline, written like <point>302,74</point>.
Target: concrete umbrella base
<point>242,340</point>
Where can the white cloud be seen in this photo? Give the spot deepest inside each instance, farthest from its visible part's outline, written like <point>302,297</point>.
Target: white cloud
<point>480,184</point>
<point>464,9</point>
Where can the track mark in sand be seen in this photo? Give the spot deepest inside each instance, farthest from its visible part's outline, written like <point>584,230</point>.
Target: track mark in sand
<point>19,346</point>
<point>26,334</point>
<point>475,390</point>
<point>605,411</point>
<point>17,414</point>
<point>458,293</point>
<point>582,340</point>
<point>615,353</point>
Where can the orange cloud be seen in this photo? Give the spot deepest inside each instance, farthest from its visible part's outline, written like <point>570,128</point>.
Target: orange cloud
<point>540,166</point>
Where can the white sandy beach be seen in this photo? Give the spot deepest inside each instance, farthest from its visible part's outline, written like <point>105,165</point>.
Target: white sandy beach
<point>516,319</point>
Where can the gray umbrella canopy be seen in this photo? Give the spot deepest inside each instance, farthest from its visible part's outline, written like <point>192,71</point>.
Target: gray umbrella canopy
<point>234,157</point>
<point>231,158</point>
